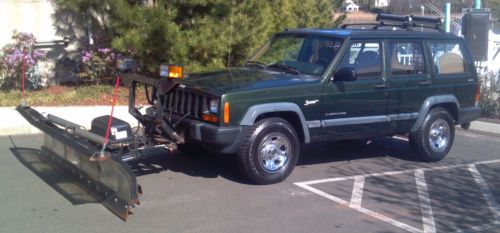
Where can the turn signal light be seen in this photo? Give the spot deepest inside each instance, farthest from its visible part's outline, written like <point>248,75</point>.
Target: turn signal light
<point>478,94</point>
<point>171,71</point>
<point>209,118</point>
<point>226,113</point>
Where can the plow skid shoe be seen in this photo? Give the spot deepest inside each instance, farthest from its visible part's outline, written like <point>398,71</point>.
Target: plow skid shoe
<point>109,181</point>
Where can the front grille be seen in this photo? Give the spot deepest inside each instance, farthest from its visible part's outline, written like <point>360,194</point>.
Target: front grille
<point>186,102</point>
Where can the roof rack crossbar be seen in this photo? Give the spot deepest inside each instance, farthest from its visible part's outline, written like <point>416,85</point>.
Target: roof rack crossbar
<point>407,22</point>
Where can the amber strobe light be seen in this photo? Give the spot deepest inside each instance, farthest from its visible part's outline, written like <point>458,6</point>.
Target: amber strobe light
<point>171,71</point>
<point>226,113</point>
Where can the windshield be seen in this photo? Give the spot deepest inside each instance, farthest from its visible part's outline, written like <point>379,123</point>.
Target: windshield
<point>308,54</point>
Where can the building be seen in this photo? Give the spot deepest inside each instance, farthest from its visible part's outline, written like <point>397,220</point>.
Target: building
<point>38,17</point>
<point>349,7</point>
<point>381,3</point>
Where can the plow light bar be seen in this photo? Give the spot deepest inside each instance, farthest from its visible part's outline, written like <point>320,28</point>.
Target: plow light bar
<point>171,71</point>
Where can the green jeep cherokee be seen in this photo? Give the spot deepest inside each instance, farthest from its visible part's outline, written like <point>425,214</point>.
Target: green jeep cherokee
<point>311,85</point>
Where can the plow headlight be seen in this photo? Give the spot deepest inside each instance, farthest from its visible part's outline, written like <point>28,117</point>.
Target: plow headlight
<point>125,64</point>
<point>171,71</point>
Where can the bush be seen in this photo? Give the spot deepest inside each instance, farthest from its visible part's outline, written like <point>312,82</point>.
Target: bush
<point>96,65</point>
<point>11,61</point>
<point>490,94</point>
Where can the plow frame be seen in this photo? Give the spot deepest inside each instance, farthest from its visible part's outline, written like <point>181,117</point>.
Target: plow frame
<point>69,148</point>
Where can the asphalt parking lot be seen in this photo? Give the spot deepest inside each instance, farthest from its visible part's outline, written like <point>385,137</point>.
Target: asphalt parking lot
<point>336,187</point>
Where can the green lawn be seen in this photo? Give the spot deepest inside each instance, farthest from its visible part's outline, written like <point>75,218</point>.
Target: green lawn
<point>65,96</point>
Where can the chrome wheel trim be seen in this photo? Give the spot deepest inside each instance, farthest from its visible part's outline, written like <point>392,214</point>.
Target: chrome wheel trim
<point>273,152</point>
<point>439,135</point>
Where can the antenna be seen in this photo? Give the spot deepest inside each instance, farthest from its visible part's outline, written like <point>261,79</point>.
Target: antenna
<point>230,43</point>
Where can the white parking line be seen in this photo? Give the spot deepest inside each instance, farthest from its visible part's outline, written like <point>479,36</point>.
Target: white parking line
<point>361,209</point>
<point>488,195</point>
<point>425,204</point>
<point>391,173</point>
<point>357,192</point>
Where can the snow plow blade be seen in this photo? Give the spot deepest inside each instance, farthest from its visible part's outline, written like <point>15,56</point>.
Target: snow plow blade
<point>71,149</point>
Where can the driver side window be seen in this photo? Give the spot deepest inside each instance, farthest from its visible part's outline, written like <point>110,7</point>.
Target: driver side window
<point>365,57</point>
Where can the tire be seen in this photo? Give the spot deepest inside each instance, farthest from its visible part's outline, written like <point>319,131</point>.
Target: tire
<point>433,141</point>
<point>269,152</point>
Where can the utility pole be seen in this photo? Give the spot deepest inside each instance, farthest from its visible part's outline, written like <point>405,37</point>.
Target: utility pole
<point>447,12</point>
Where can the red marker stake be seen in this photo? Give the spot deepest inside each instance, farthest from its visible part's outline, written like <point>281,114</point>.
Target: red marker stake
<point>112,110</point>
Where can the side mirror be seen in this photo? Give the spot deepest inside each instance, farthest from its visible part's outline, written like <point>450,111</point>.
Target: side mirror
<point>346,74</point>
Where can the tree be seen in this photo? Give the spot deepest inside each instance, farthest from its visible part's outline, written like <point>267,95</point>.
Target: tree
<point>198,33</point>
<point>494,5</point>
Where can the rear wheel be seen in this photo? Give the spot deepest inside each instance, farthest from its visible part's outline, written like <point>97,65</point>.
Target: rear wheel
<point>270,151</point>
<point>434,139</point>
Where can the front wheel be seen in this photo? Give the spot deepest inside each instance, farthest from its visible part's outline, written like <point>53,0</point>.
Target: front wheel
<point>270,151</point>
<point>434,139</point>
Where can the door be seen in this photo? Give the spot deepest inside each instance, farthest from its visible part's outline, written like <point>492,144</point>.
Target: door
<point>353,109</point>
<point>409,84</point>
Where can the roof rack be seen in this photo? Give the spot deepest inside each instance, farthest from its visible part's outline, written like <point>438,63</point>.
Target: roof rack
<point>407,22</point>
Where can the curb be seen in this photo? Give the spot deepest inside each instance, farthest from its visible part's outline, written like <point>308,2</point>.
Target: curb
<point>483,127</point>
<point>13,123</point>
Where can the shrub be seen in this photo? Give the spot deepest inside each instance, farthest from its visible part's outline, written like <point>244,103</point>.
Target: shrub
<point>96,65</point>
<point>490,94</point>
<point>11,61</point>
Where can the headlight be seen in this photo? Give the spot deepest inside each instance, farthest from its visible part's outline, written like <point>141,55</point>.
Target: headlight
<point>214,106</point>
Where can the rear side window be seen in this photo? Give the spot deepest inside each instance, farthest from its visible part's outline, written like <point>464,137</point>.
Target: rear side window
<point>407,58</point>
<point>447,57</point>
<point>365,57</point>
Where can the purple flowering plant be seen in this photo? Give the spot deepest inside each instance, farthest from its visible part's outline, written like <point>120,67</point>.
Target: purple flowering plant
<point>98,63</point>
<point>11,60</point>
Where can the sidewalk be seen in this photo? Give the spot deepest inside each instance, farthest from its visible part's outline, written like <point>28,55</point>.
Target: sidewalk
<point>13,123</point>
<point>485,127</point>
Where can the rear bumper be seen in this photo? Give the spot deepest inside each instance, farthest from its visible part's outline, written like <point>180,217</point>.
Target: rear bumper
<point>225,140</point>
<point>469,114</point>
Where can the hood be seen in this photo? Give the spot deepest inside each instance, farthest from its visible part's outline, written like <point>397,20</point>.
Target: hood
<point>244,79</point>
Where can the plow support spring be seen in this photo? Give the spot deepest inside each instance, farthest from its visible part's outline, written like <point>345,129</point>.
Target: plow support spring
<point>111,181</point>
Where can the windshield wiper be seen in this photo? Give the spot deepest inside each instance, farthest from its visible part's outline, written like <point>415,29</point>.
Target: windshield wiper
<point>284,67</point>
<point>255,63</point>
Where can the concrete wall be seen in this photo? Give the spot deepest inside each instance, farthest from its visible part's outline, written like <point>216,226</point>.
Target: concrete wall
<point>27,16</point>
<point>35,16</point>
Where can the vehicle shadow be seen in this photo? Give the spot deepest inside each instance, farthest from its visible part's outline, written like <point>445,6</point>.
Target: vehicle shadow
<point>211,165</point>
<point>348,150</point>
<point>32,159</point>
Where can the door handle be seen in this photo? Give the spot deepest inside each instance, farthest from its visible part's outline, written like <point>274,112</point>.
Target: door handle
<point>380,86</point>
<point>425,83</point>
